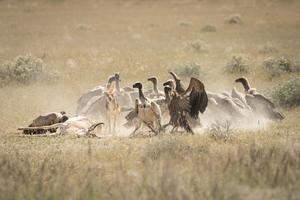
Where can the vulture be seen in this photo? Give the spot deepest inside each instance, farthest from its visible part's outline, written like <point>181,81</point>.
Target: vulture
<point>163,102</point>
<point>80,126</point>
<point>186,103</point>
<point>96,91</point>
<point>46,120</point>
<point>155,92</point>
<point>260,104</point>
<point>123,98</point>
<point>147,111</point>
<point>96,105</point>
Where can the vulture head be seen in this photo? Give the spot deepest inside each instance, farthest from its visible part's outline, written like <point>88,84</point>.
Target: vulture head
<point>63,112</point>
<point>63,119</point>
<point>167,89</point>
<point>110,80</point>
<point>169,83</point>
<point>153,79</point>
<point>137,85</point>
<point>117,76</point>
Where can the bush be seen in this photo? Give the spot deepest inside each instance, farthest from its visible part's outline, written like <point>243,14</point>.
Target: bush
<point>237,65</point>
<point>209,28</point>
<point>184,23</point>
<point>24,70</point>
<point>287,94</point>
<point>234,19</point>
<point>188,70</point>
<point>197,46</point>
<point>277,67</point>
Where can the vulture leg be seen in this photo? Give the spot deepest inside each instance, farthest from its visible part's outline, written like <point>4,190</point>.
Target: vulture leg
<point>109,124</point>
<point>115,121</point>
<point>185,124</point>
<point>151,127</point>
<point>138,125</point>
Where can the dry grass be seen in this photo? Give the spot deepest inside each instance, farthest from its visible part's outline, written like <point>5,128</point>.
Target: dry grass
<point>87,41</point>
<point>250,165</point>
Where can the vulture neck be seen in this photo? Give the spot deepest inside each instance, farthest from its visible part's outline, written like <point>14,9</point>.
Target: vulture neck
<point>168,98</point>
<point>246,85</point>
<point>141,95</point>
<point>179,88</point>
<point>155,87</point>
<point>117,85</point>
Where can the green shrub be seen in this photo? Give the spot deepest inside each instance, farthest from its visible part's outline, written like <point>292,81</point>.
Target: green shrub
<point>24,70</point>
<point>209,28</point>
<point>287,94</point>
<point>234,19</point>
<point>187,70</point>
<point>197,46</point>
<point>184,23</point>
<point>237,65</point>
<point>279,66</point>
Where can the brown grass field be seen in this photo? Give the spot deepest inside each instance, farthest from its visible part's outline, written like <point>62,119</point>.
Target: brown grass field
<point>86,41</point>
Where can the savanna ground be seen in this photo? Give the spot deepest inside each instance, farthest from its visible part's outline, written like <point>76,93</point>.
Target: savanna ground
<point>85,41</point>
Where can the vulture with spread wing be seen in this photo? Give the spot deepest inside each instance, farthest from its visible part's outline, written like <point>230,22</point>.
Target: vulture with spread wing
<point>186,103</point>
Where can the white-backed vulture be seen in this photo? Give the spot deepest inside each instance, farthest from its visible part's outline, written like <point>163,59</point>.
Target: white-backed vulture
<point>148,112</point>
<point>260,104</point>
<point>95,107</point>
<point>162,102</point>
<point>96,91</point>
<point>123,98</point>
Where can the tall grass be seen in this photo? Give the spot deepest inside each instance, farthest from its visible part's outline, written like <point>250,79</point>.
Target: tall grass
<point>249,166</point>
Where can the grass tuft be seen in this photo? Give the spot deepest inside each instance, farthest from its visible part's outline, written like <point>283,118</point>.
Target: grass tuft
<point>209,28</point>
<point>189,69</point>
<point>237,65</point>
<point>197,46</point>
<point>234,20</point>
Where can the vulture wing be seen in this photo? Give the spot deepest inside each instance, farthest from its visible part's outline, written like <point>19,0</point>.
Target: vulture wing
<point>197,97</point>
<point>264,99</point>
<point>134,113</point>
